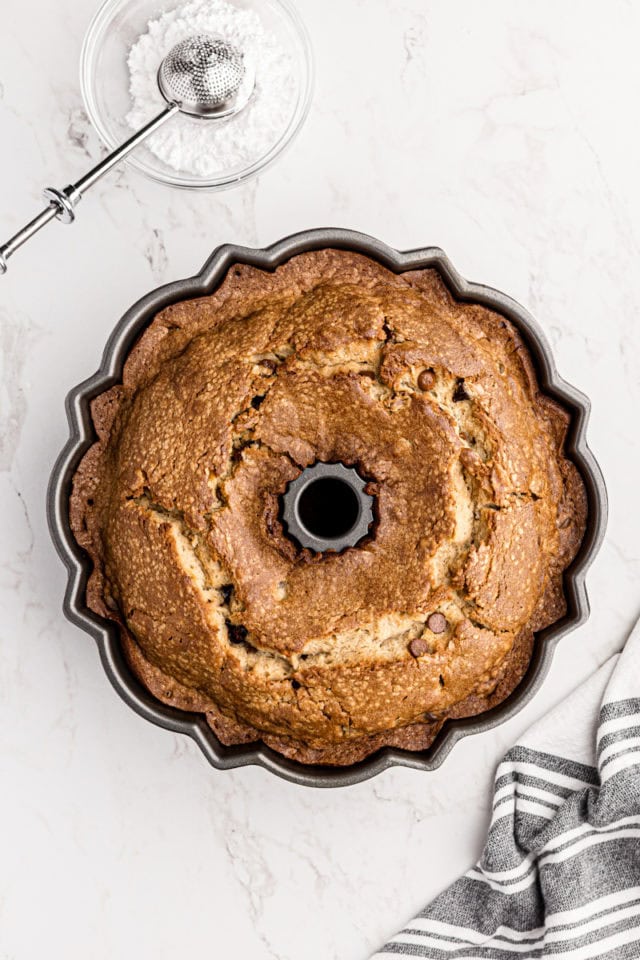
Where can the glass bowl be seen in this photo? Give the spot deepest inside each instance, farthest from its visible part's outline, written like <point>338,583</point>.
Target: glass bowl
<point>104,79</point>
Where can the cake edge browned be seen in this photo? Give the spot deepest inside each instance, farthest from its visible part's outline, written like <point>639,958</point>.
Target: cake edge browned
<point>232,730</point>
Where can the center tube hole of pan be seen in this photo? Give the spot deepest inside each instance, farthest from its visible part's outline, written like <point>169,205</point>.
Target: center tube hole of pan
<point>328,508</point>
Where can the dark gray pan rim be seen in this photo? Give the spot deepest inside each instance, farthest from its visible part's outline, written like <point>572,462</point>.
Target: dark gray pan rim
<point>82,435</point>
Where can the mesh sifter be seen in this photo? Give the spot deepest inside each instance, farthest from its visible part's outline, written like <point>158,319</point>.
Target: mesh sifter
<point>206,77</point>
<point>203,76</point>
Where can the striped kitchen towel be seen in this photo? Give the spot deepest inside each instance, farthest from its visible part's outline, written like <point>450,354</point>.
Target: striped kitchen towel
<point>560,874</point>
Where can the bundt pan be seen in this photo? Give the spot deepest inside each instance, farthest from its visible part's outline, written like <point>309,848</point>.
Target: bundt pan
<point>83,436</point>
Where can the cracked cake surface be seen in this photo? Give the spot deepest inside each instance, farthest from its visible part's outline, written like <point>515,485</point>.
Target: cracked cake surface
<point>224,400</point>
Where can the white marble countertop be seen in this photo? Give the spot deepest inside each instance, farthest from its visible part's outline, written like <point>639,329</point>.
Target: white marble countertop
<point>503,132</point>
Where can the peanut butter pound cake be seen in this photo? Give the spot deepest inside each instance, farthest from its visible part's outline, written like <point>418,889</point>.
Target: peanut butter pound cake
<point>326,655</point>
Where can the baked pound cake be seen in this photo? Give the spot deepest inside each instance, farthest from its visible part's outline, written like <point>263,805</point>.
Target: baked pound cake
<point>224,401</point>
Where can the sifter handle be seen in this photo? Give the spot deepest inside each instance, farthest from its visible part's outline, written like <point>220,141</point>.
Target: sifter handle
<point>62,203</point>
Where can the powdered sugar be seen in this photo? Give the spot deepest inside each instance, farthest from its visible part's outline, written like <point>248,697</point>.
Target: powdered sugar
<point>213,148</point>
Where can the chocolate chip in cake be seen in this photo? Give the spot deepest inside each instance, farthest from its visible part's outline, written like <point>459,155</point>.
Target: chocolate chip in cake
<point>460,393</point>
<point>426,379</point>
<point>437,623</point>
<point>256,401</point>
<point>418,647</point>
<point>236,632</point>
<point>226,590</point>
<point>296,684</point>
<point>441,680</point>
<point>269,366</point>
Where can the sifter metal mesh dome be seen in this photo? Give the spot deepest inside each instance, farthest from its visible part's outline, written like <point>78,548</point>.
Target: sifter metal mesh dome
<point>204,75</point>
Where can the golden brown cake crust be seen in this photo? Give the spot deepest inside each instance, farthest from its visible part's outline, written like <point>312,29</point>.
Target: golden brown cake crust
<point>224,400</point>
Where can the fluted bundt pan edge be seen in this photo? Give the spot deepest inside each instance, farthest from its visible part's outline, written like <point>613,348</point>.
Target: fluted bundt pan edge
<point>82,436</point>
